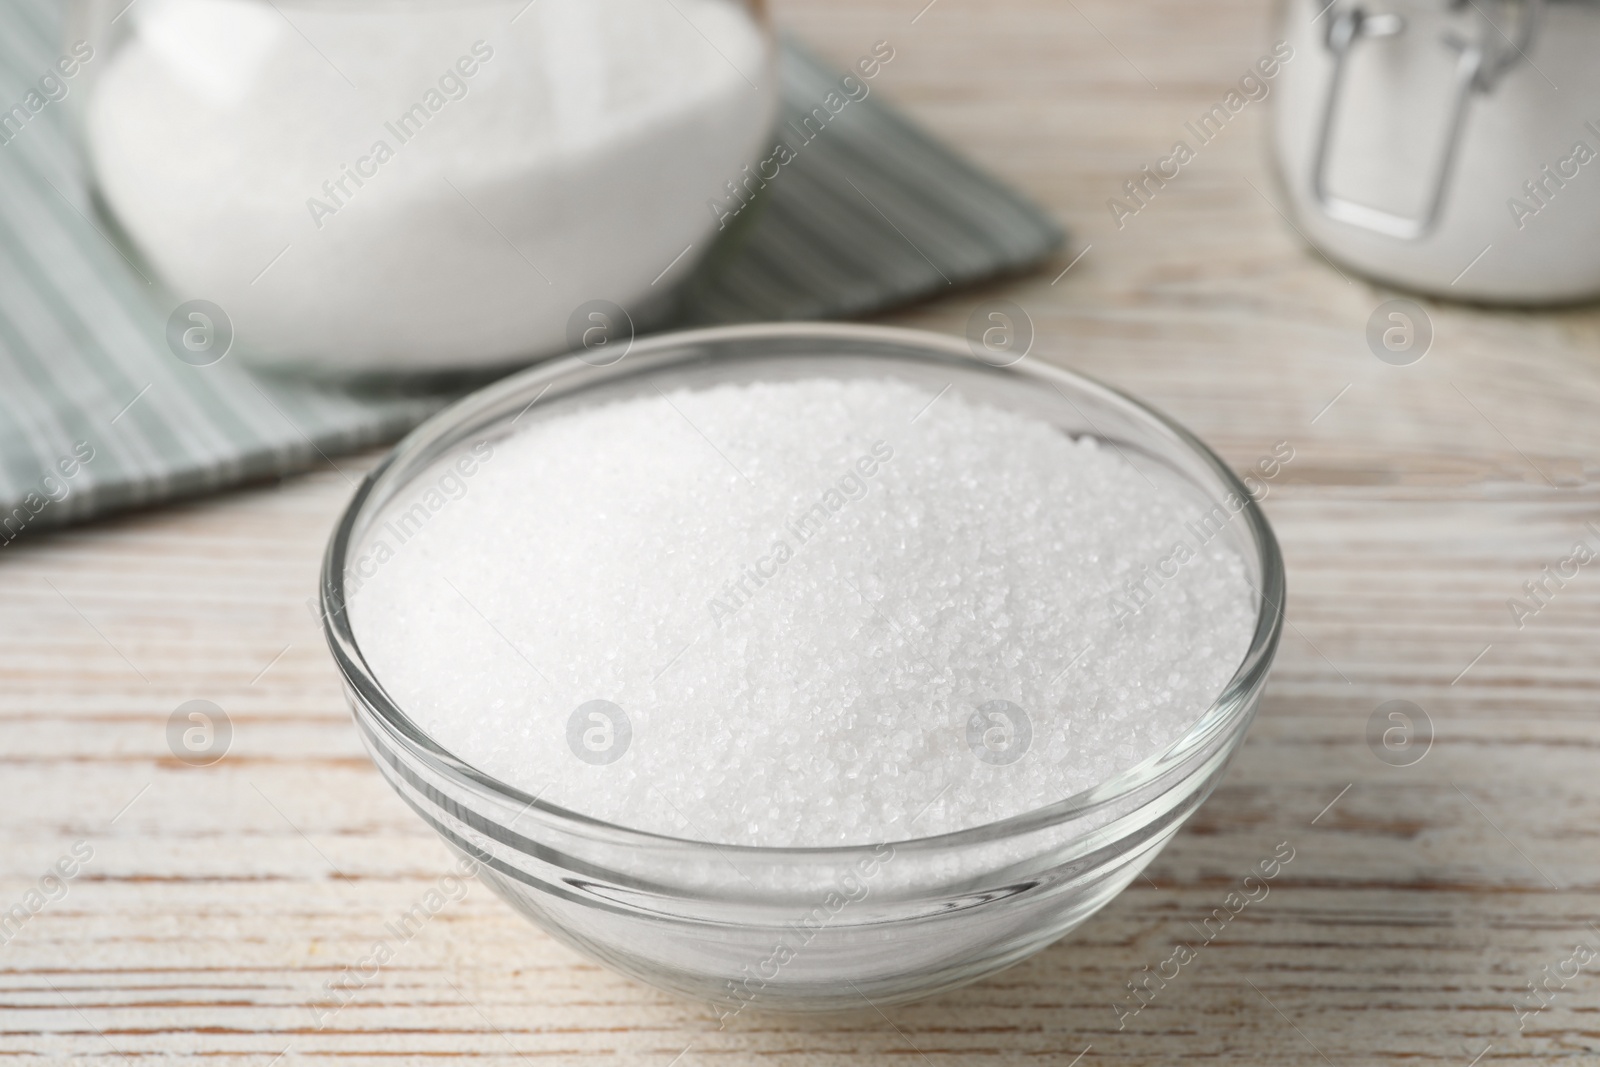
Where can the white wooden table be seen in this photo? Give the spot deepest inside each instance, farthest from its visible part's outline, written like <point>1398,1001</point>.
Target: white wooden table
<point>1420,903</point>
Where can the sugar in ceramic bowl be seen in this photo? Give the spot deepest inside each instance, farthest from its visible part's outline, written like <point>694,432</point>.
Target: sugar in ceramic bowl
<point>802,929</point>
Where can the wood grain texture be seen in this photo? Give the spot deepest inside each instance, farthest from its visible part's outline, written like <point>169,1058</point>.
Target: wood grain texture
<point>1417,908</point>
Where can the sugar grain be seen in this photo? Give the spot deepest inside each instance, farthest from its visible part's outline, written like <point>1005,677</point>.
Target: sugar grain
<point>802,613</point>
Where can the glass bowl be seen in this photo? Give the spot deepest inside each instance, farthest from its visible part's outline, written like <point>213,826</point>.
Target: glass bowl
<point>801,929</point>
<point>393,186</point>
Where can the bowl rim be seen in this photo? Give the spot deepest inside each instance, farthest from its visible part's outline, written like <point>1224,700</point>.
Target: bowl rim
<point>1230,711</point>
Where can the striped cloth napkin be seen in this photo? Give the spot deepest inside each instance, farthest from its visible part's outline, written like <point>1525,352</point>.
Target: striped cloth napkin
<point>97,415</point>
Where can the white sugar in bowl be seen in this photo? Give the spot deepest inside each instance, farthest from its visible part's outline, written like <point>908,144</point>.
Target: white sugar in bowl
<point>380,185</point>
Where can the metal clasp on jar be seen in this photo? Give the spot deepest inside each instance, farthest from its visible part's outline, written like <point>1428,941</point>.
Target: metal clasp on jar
<point>1479,65</point>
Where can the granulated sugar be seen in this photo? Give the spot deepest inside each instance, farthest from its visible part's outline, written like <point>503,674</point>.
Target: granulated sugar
<point>800,613</point>
<point>377,186</point>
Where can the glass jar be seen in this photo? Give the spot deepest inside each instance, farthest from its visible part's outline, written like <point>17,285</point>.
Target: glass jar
<point>1445,146</point>
<point>377,185</point>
